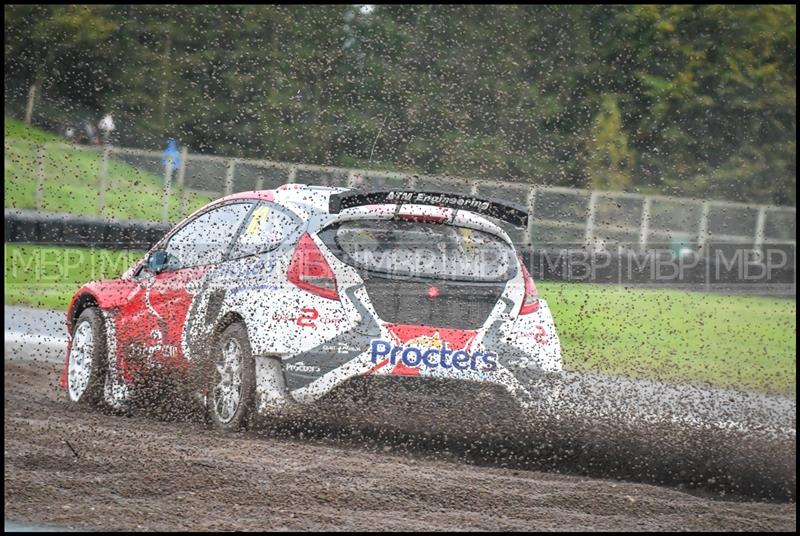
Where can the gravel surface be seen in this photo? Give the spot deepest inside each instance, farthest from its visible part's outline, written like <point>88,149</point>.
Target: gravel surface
<point>406,470</point>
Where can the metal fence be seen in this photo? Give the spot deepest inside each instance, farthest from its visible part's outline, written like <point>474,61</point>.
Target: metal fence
<point>595,219</point>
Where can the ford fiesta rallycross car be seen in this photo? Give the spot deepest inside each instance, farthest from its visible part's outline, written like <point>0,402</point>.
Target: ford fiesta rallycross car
<point>273,297</point>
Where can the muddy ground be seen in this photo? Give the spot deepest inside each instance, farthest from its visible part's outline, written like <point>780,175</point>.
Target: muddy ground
<point>79,467</point>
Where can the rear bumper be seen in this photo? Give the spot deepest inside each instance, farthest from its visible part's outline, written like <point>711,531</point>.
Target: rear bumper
<point>310,376</point>
<point>502,352</point>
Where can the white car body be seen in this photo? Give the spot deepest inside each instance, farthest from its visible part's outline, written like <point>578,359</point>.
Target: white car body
<point>357,323</point>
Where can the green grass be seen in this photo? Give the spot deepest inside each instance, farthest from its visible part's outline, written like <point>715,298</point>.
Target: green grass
<point>72,180</point>
<point>18,130</point>
<point>41,276</point>
<point>737,341</point>
<point>732,341</point>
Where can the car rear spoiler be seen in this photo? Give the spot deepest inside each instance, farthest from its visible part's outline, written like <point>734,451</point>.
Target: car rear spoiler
<point>508,213</point>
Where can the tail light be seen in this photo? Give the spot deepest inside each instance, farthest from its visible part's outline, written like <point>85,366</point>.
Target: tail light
<point>530,302</point>
<point>310,271</point>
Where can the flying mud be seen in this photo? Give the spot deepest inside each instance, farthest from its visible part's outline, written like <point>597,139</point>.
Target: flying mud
<point>596,453</point>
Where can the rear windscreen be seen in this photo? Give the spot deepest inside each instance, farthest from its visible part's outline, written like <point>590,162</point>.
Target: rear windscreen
<point>421,249</point>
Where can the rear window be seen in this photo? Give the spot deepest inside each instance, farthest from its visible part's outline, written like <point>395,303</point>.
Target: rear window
<point>422,250</point>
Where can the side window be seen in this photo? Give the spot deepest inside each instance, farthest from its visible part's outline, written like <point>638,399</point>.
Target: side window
<point>266,229</point>
<point>205,239</point>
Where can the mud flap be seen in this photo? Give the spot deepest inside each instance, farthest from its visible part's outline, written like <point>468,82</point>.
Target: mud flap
<point>116,393</point>
<point>271,394</point>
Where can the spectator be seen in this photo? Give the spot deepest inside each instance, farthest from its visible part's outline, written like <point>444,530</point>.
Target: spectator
<point>106,127</point>
<point>172,156</point>
<point>91,134</point>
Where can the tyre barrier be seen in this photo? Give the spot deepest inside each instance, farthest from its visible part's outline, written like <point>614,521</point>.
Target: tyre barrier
<point>55,229</point>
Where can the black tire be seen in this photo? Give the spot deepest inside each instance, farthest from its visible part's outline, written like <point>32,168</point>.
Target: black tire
<point>92,392</point>
<point>219,414</point>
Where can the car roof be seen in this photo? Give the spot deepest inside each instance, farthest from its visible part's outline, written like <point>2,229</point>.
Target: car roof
<point>301,194</point>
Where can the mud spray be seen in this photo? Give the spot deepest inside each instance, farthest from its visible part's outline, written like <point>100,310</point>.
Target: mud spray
<point>367,456</point>
<point>733,445</point>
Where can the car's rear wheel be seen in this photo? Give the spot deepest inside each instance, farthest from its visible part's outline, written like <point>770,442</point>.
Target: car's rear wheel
<point>86,367</point>
<point>231,389</point>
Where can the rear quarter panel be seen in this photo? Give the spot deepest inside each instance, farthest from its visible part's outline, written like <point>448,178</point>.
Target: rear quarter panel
<point>282,319</point>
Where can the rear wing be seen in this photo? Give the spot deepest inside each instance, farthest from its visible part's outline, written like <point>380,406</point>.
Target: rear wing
<point>354,198</point>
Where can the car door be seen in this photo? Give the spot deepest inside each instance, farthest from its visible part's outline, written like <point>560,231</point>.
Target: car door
<point>251,266</point>
<point>268,232</point>
<point>158,318</point>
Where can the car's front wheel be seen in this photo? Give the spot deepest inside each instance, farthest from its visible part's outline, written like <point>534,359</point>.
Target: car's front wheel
<point>86,367</point>
<point>231,390</point>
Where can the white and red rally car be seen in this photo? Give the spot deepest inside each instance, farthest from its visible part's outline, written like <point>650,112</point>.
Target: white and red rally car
<point>279,296</point>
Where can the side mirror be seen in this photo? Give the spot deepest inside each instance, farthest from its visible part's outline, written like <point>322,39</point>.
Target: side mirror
<point>157,261</point>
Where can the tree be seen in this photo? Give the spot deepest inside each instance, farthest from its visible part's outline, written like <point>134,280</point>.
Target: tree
<point>60,47</point>
<point>610,161</point>
<point>679,99</point>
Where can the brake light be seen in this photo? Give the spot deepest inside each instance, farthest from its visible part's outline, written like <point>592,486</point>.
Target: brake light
<point>310,271</point>
<point>423,214</point>
<point>421,218</point>
<point>530,302</point>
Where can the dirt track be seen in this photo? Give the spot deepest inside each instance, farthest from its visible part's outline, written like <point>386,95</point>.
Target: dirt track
<point>142,473</point>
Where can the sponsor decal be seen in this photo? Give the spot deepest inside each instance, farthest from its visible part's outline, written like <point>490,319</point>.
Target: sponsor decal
<point>284,317</point>
<point>260,265</point>
<point>157,347</point>
<point>341,348</point>
<point>438,199</point>
<point>431,352</point>
<point>258,221</point>
<point>301,367</point>
<point>539,335</point>
<point>253,288</point>
<point>166,350</point>
<point>308,317</point>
